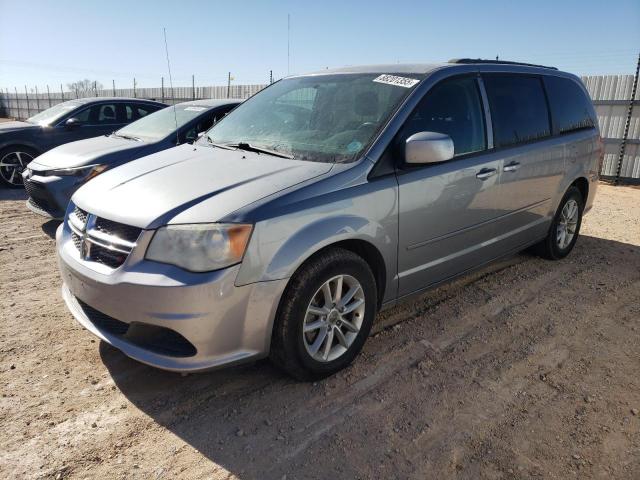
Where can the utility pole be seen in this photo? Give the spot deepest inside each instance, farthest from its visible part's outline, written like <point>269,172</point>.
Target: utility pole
<point>229,85</point>
<point>62,92</point>
<point>113,86</point>
<point>95,88</point>
<point>162,87</point>
<point>193,87</point>
<point>49,96</point>
<point>288,43</point>
<point>625,136</point>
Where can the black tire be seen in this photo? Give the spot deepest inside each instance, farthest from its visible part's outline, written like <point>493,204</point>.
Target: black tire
<point>11,177</point>
<point>550,247</point>
<point>288,349</point>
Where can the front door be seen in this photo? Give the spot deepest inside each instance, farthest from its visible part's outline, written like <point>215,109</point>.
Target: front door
<point>448,211</point>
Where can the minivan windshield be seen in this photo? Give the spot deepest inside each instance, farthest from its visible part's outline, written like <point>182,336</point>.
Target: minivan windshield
<point>54,113</point>
<point>322,118</point>
<point>158,125</point>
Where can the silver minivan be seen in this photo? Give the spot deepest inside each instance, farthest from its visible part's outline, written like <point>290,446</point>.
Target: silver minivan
<point>320,201</point>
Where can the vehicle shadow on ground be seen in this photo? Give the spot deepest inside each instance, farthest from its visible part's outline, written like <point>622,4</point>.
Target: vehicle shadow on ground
<point>50,226</point>
<point>13,193</point>
<point>256,422</point>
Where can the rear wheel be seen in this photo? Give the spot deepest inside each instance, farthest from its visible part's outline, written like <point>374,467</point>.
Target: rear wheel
<point>325,315</point>
<point>13,161</point>
<point>565,227</point>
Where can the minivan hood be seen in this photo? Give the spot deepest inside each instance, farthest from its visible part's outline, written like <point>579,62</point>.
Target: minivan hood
<point>190,184</point>
<point>83,152</point>
<point>10,126</point>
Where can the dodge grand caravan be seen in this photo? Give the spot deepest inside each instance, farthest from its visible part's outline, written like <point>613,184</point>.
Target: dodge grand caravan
<point>321,200</point>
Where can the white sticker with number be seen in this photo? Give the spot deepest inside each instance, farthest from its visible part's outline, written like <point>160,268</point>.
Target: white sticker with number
<point>395,80</point>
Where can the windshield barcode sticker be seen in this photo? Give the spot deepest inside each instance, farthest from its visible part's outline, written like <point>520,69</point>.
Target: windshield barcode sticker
<point>395,80</point>
<point>194,109</point>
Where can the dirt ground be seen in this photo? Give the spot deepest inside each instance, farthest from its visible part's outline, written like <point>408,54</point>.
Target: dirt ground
<point>528,369</point>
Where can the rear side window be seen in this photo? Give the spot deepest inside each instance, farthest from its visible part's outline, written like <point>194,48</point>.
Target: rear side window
<point>518,109</point>
<point>570,107</point>
<point>452,107</point>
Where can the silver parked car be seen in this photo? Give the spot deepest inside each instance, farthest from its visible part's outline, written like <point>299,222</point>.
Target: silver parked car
<point>321,200</point>
<point>54,176</point>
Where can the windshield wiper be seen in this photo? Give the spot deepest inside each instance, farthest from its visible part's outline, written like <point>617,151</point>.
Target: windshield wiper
<point>219,145</point>
<point>128,137</point>
<point>252,148</point>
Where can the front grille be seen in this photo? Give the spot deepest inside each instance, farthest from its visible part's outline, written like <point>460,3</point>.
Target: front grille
<point>102,240</point>
<point>81,215</point>
<point>160,340</point>
<point>39,197</point>
<point>126,232</point>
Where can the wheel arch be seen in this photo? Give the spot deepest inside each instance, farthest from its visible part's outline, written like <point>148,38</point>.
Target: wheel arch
<point>582,184</point>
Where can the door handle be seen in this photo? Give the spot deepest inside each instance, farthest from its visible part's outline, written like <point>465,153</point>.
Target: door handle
<point>512,167</point>
<point>486,173</point>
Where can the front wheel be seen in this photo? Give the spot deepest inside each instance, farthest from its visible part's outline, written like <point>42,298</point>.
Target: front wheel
<point>325,315</point>
<point>565,227</point>
<point>13,161</point>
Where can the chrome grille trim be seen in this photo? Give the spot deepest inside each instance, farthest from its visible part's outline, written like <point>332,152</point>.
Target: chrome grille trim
<point>95,243</point>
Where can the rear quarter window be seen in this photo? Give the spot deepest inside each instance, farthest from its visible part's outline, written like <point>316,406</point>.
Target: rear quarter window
<point>518,109</point>
<point>571,109</point>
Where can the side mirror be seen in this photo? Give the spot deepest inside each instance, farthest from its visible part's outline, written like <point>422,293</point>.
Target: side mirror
<point>72,123</point>
<point>428,147</point>
<point>201,134</point>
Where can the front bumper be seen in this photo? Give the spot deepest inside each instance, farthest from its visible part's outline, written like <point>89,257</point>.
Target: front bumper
<point>224,324</point>
<point>50,195</point>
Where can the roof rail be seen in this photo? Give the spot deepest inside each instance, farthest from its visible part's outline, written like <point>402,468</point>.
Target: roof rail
<point>498,62</point>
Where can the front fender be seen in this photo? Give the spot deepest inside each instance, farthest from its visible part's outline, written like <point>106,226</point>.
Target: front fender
<point>269,258</point>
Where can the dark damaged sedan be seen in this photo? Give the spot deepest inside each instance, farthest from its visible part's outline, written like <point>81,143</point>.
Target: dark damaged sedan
<point>21,142</point>
<point>53,177</point>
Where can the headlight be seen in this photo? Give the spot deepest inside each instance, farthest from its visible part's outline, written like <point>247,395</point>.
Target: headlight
<point>87,172</point>
<point>200,247</point>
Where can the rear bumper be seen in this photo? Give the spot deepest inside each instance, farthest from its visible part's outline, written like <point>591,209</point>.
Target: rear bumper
<point>223,323</point>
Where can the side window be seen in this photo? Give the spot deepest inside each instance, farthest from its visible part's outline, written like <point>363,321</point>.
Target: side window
<point>518,109</point>
<point>452,107</point>
<point>143,111</point>
<point>105,114</point>
<point>128,113</point>
<point>570,108</point>
<point>83,116</point>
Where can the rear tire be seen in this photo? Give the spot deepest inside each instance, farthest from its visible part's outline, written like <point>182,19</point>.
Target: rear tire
<point>565,227</point>
<point>325,315</point>
<point>13,160</point>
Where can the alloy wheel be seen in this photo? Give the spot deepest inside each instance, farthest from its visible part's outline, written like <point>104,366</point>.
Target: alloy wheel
<point>333,318</point>
<point>567,224</point>
<point>12,165</point>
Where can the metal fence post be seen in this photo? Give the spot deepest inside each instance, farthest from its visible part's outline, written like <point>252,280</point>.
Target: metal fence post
<point>625,135</point>
<point>26,94</point>
<point>162,88</point>
<point>37,100</point>
<point>113,86</point>
<point>134,88</point>
<point>229,85</point>
<point>62,92</point>
<point>49,96</point>
<point>193,87</point>
<point>18,102</point>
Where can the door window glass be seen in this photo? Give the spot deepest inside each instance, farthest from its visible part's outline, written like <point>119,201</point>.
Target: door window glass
<point>452,107</point>
<point>518,109</point>
<point>570,107</point>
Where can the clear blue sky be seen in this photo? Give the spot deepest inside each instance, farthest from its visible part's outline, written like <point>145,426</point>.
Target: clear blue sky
<point>61,41</point>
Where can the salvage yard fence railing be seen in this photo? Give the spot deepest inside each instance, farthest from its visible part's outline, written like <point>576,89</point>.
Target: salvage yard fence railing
<point>616,99</point>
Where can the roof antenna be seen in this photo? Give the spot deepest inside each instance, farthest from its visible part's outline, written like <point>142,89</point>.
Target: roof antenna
<point>175,115</point>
